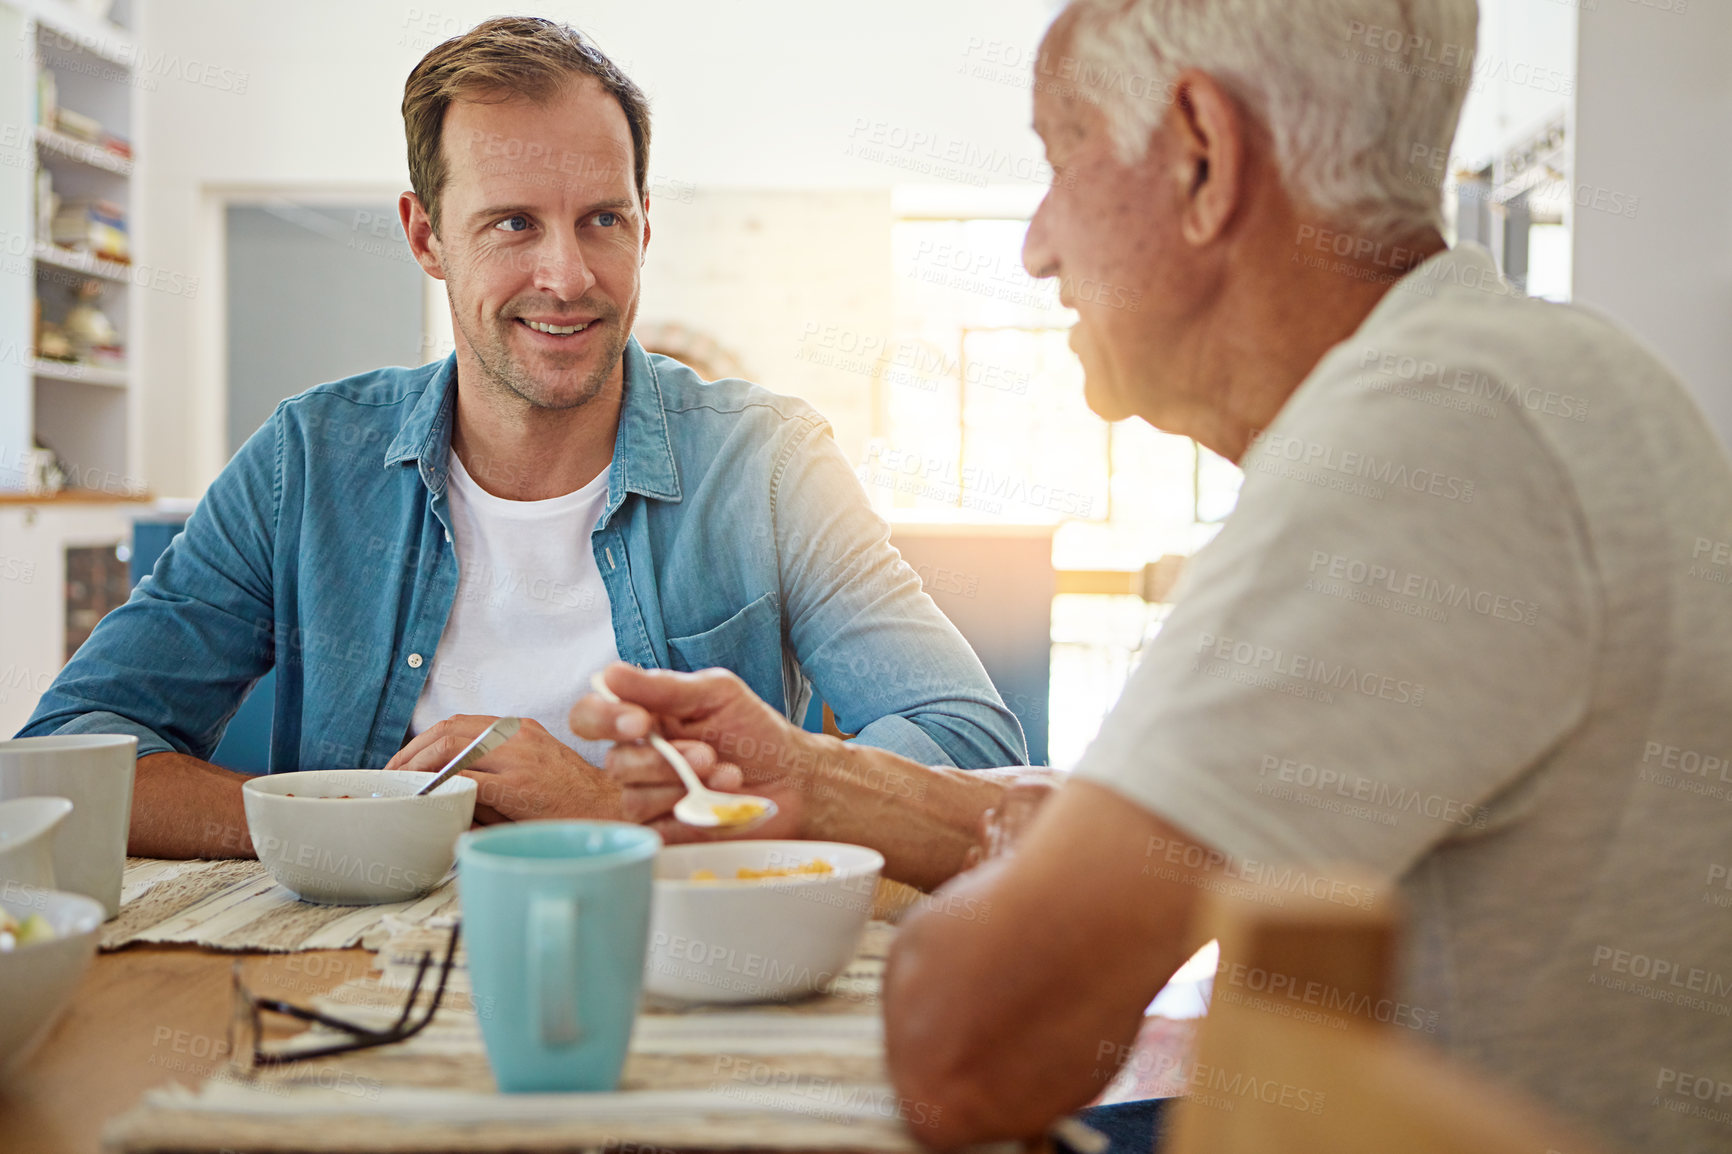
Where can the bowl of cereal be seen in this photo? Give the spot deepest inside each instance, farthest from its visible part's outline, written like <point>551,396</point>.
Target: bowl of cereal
<point>356,836</point>
<point>756,921</point>
<point>47,938</point>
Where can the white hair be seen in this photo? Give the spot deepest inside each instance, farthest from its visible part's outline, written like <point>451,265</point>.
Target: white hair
<point>1361,97</point>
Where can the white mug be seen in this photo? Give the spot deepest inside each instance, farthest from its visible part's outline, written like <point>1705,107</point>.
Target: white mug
<point>94,771</point>
<point>27,827</point>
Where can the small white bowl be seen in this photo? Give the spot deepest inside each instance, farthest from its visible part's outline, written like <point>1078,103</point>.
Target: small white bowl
<point>750,941</point>
<point>356,836</point>
<point>36,981</point>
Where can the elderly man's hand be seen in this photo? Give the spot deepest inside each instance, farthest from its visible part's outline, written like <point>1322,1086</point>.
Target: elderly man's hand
<point>734,741</point>
<point>533,775</point>
<point>1002,826</point>
<point>652,788</point>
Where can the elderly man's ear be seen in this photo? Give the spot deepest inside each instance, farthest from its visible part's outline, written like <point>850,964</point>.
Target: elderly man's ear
<point>1206,138</point>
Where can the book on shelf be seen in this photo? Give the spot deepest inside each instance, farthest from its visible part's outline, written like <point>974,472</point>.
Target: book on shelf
<point>78,126</point>
<point>90,225</point>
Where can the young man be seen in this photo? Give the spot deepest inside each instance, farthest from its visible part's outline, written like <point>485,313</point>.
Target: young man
<point>1467,630</point>
<point>418,551</point>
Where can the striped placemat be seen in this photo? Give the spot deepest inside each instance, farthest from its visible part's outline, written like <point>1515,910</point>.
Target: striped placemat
<point>218,1117</point>
<point>235,905</point>
<point>802,1075</point>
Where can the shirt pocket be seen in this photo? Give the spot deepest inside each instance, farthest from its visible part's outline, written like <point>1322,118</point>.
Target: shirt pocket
<point>749,643</point>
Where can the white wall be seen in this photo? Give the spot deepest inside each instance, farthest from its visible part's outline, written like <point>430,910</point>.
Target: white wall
<point>827,256</point>
<point>1654,122</point>
<point>747,94</point>
<point>771,94</point>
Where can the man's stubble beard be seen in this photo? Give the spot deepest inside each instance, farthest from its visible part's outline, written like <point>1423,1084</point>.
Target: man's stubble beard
<point>505,377</point>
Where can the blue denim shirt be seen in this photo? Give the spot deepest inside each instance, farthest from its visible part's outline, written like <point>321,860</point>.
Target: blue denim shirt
<point>735,535</point>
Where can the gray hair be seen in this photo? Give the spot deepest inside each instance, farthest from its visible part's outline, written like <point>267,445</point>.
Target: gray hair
<point>1361,97</point>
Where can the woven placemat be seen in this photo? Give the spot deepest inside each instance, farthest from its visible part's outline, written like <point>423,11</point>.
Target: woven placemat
<point>401,1121</point>
<point>235,905</point>
<point>801,1075</point>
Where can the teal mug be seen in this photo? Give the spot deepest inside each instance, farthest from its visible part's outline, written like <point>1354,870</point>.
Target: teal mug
<point>556,921</point>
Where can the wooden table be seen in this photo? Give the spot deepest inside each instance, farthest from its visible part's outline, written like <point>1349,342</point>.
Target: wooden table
<point>145,1016</point>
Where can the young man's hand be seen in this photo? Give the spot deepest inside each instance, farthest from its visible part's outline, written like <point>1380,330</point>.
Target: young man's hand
<point>533,775</point>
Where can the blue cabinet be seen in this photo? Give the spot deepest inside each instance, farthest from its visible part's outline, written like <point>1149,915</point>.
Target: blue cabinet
<point>996,584</point>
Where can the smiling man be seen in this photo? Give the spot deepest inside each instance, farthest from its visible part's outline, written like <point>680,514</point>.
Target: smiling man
<point>1467,630</point>
<point>418,551</point>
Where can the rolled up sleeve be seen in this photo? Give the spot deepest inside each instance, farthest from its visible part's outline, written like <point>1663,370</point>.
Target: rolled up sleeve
<point>883,656</point>
<point>172,665</point>
<point>101,721</point>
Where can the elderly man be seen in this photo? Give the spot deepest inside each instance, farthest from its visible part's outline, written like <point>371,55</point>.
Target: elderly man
<point>416,551</point>
<point>1469,627</point>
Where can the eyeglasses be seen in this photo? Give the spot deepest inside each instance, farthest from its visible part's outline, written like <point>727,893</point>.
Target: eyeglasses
<point>246,1031</point>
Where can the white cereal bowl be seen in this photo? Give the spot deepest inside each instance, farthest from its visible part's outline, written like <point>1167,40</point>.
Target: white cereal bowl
<point>751,941</point>
<point>356,836</point>
<point>36,981</point>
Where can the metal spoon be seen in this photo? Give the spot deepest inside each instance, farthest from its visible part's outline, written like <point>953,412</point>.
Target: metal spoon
<point>491,739</point>
<point>698,807</point>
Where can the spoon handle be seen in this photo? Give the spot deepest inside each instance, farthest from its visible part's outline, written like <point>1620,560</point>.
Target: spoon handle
<point>681,766</point>
<point>657,742</point>
<point>491,739</point>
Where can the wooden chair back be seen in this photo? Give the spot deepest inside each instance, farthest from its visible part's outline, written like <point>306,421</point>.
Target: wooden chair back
<point>1302,1051</point>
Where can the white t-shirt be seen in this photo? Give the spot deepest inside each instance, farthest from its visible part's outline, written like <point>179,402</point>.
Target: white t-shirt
<point>531,621</point>
<point>1470,627</point>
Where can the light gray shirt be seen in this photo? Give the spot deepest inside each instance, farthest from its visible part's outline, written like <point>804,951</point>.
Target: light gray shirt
<point>1470,628</point>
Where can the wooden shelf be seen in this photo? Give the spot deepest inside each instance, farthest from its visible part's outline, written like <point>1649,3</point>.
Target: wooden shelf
<point>84,410</point>
<point>81,151</point>
<point>1099,582</point>
<point>100,38</point>
<point>1153,582</point>
<point>84,262</point>
<point>75,497</point>
<point>82,374</point>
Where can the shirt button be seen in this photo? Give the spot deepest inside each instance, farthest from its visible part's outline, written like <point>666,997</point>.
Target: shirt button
<point>414,661</point>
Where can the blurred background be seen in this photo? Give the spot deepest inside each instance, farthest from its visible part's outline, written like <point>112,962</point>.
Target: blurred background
<point>197,219</point>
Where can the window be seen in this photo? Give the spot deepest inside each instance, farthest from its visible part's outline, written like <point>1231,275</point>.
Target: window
<point>980,419</point>
<point>981,416</point>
